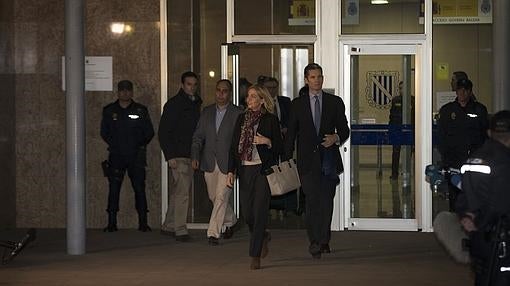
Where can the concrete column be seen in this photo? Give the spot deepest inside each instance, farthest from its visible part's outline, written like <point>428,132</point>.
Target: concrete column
<point>75,126</point>
<point>501,59</point>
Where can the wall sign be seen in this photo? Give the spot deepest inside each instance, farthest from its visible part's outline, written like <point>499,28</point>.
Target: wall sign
<point>98,74</point>
<point>462,11</point>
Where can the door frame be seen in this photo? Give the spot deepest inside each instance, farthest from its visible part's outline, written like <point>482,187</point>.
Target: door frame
<point>328,44</point>
<point>393,45</point>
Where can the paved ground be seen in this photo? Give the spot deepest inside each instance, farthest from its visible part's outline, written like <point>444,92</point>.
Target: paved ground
<point>129,257</point>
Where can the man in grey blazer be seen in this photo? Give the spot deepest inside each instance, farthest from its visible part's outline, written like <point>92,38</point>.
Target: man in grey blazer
<point>209,151</point>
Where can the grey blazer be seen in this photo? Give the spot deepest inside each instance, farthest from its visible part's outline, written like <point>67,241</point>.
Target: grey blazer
<point>209,146</point>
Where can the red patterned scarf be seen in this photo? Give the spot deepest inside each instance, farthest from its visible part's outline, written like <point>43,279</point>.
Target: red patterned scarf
<point>245,149</point>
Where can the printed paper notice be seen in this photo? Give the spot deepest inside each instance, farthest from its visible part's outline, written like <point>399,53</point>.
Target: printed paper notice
<point>98,74</point>
<point>442,71</point>
<point>443,97</point>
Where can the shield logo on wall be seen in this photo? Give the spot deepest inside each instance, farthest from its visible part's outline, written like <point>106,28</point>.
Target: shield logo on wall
<point>382,86</point>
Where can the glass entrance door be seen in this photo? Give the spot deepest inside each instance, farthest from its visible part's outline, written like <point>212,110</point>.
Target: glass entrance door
<point>247,64</point>
<point>381,81</point>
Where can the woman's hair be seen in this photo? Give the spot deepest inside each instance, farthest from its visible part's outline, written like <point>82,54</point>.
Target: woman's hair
<point>267,100</point>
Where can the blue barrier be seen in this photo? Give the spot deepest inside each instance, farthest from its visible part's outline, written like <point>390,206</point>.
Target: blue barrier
<point>382,134</point>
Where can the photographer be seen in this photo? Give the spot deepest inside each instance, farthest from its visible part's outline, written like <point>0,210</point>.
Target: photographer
<point>484,204</point>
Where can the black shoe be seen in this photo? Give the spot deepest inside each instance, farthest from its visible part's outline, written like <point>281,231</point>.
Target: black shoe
<point>229,232</point>
<point>142,221</point>
<point>183,238</point>
<point>213,241</point>
<point>144,228</point>
<point>325,248</point>
<point>112,222</point>
<point>315,250</point>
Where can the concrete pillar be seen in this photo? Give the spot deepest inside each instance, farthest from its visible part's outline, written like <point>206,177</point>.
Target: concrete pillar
<point>75,126</point>
<point>501,59</point>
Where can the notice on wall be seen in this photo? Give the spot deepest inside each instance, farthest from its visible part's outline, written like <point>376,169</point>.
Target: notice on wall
<point>98,74</point>
<point>351,12</point>
<point>442,71</point>
<point>462,11</point>
<point>443,97</point>
<point>302,13</point>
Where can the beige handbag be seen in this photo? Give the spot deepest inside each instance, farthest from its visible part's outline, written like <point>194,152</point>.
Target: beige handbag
<point>283,178</point>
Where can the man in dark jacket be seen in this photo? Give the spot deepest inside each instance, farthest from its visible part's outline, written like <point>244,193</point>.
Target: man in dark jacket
<point>462,128</point>
<point>178,122</point>
<point>319,125</point>
<point>484,204</point>
<point>281,103</point>
<point>127,129</point>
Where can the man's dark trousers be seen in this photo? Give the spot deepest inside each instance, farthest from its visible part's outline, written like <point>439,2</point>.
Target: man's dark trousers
<point>319,191</point>
<point>135,166</point>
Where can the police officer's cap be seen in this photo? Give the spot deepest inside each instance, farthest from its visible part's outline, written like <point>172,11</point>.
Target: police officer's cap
<point>500,122</point>
<point>125,85</point>
<point>464,83</point>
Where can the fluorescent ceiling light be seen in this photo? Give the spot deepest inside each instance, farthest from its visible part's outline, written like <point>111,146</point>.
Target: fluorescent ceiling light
<point>377,2</point>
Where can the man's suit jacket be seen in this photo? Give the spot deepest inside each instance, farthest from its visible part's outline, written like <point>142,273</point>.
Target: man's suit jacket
<point>284,105</point>
<point>209,146</point>
<point>301,127</point>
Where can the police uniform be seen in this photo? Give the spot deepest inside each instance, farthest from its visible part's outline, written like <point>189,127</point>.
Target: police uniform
<point>486,194</point>
<point>127,131</point>
<point>461,131</point>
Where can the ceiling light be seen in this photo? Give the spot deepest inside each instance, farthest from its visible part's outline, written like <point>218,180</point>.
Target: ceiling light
<point>378,2</point>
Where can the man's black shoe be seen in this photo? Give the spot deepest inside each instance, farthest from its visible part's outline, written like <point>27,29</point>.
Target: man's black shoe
<point>325,248</point>
<point>182,238</point>
<point>144,228</point>
<point>213,241</point>
<point>229,232</point>
<point>315,250</point>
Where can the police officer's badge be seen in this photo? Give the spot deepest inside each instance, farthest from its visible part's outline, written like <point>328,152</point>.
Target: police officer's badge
<point>115,116</point>
<point>453,116</point>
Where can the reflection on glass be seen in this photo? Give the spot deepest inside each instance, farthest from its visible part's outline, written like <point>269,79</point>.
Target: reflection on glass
<point>395,17</point>
<point>382,137</point>
<point>283,62</point>
<point>270,17</point>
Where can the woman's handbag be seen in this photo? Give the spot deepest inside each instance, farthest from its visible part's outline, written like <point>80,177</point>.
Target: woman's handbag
<point>283,178</point>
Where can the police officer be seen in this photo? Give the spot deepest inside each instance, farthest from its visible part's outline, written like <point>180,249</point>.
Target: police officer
<point>485,201</point>
<point>456,77</point>
<point>462,128</point>
<point>127,129</point>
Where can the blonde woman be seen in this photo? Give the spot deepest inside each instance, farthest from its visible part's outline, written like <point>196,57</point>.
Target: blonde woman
<point>256,146</point>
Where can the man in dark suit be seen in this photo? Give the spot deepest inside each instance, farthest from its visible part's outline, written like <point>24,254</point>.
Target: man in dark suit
<point>319,124</point>
<point>282,103</point>
<point>209,151</point>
